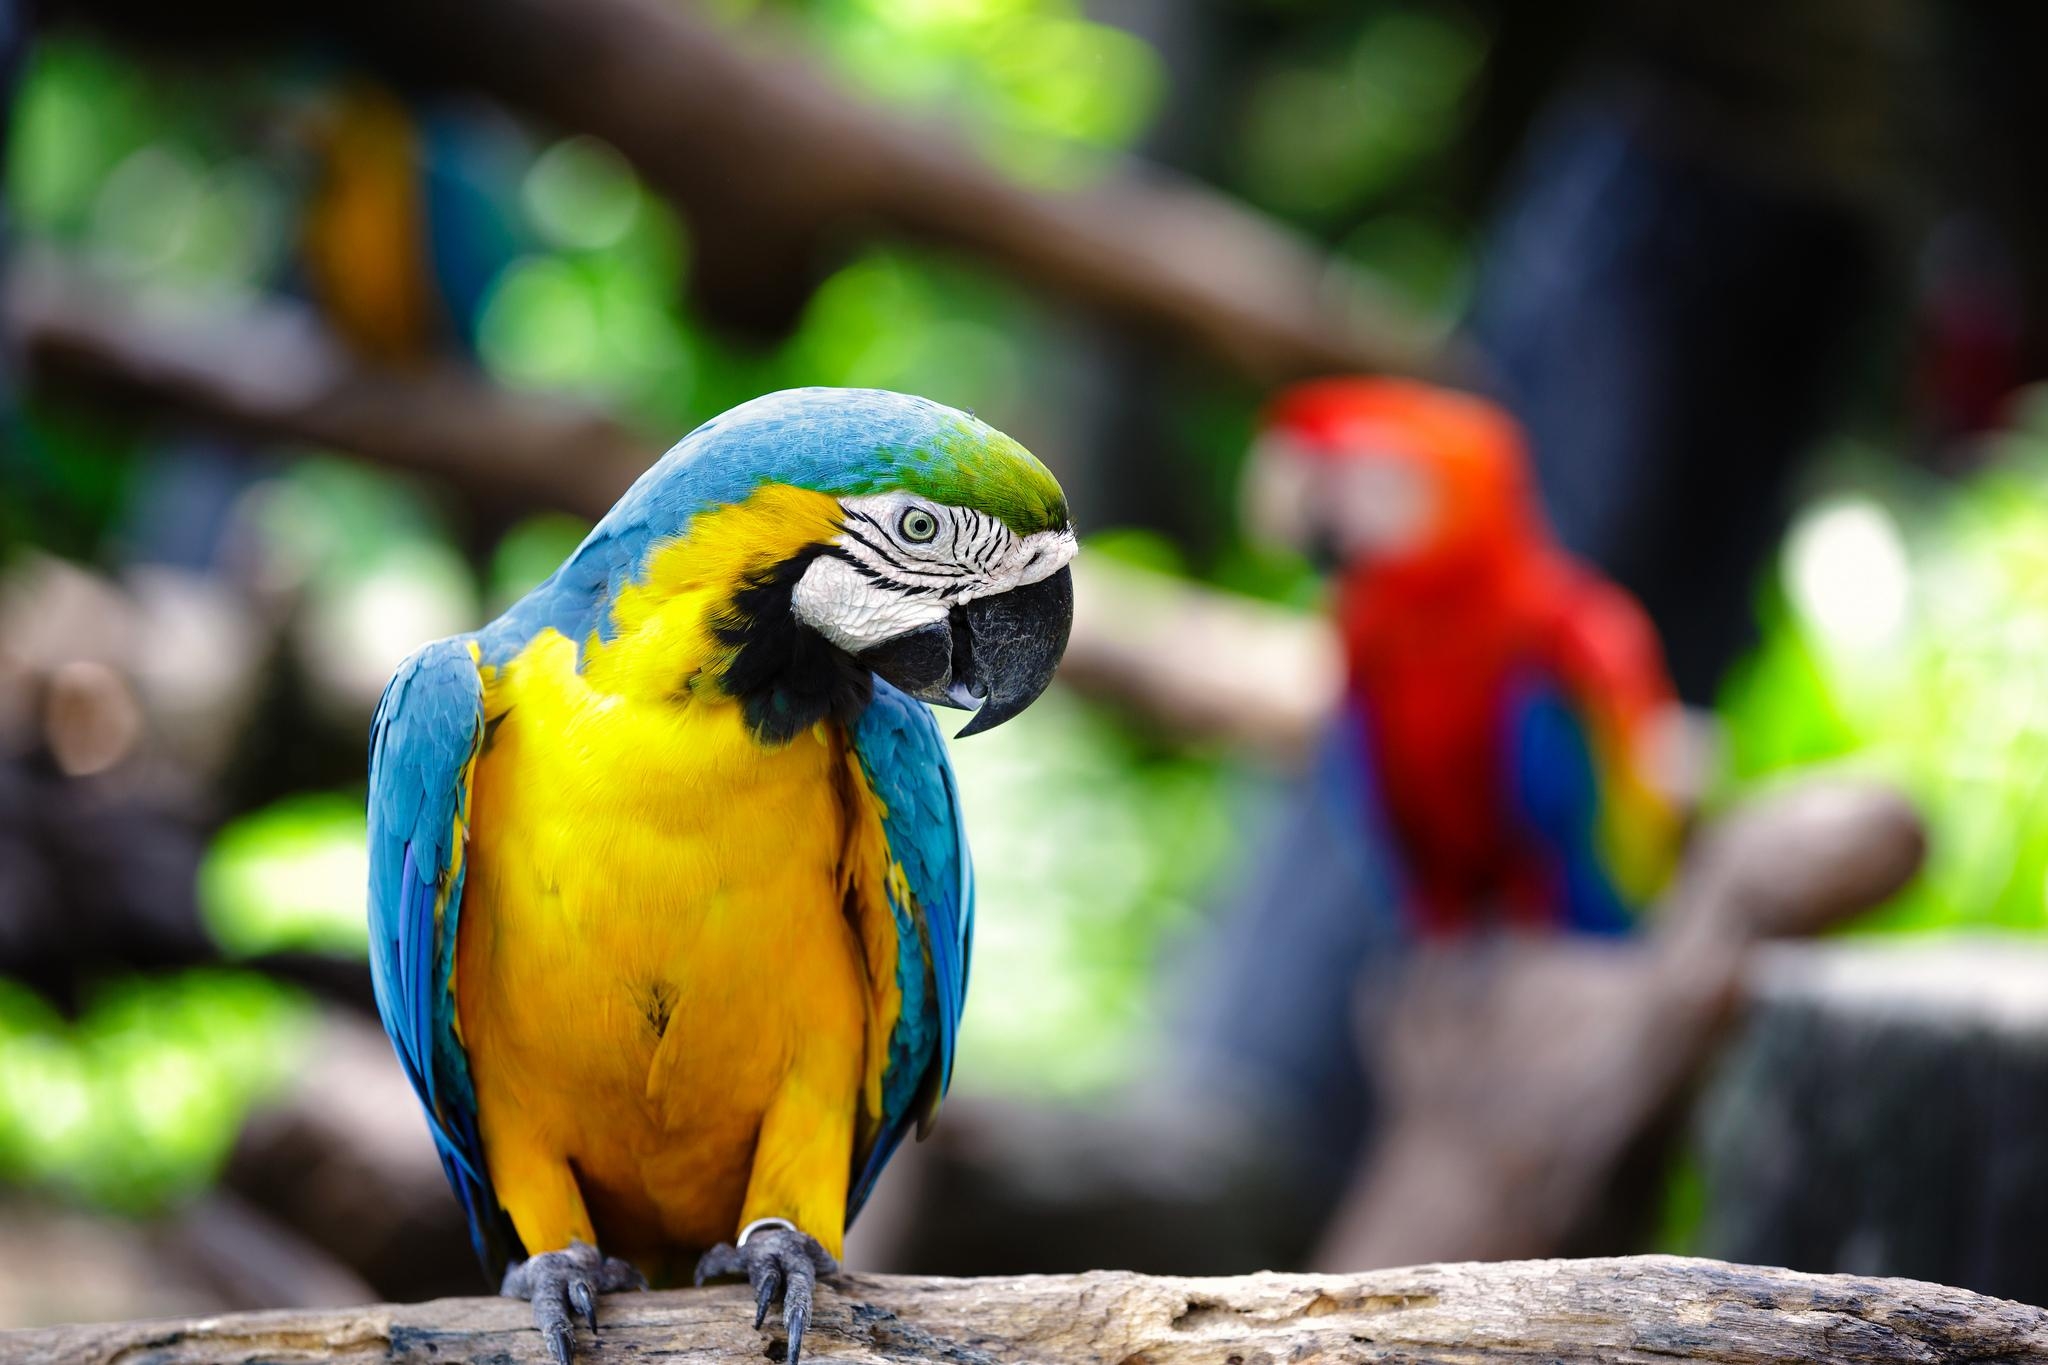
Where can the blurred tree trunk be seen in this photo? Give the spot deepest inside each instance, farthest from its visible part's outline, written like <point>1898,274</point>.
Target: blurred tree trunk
<point>1883,1111</point>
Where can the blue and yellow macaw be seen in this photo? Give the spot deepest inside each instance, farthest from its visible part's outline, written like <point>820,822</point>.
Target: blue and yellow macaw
<point>670,901</point>
<point>410,217</point>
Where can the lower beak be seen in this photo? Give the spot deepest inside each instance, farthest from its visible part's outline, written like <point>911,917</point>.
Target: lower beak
<point>993,656</point>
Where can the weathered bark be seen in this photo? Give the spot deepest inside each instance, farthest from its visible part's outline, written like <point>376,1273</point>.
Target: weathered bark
<point>770,161</point>
<point>1882,1111</point>
<point>1648,1309</point>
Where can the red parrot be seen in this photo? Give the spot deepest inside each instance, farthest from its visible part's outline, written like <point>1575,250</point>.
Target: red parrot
<point>1509,707</point>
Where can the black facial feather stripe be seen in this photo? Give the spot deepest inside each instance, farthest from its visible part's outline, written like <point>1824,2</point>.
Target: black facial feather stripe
<point>947,582</point>
<point>785,677</point>
<point>887,550</point>
<point>860,539</point>
<point>884,553</point>
<point>874,575</point>
<point>991,540</point>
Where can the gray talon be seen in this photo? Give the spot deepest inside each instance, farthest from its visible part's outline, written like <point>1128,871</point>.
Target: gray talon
<point>561,1340</point>
<point>558,1283</point>
<point>779,1263</point>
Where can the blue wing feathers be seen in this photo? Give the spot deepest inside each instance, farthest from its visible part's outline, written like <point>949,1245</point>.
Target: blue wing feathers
<point>904,758</point>
<point>428,725</point>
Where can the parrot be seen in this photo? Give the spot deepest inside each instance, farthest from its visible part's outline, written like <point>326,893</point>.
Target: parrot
<point>411,216</point>
<point>671,905</point>
<point>1507,725</point>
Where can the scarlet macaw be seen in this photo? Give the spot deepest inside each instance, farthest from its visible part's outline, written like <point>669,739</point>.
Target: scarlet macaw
<point>1507,707</point>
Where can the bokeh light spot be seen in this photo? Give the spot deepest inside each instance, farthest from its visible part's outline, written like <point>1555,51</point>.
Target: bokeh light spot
<point>1846,569</point>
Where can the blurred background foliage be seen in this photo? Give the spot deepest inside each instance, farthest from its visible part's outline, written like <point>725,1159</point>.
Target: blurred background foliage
<point>1905,632</point>
<point>158,181</point>
<point>1906,629</point>
<point>137,1102</point>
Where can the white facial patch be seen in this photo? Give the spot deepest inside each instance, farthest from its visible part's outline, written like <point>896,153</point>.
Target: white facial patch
<point>1383,509</point>
<point>1280,488</point>
<point>904,562</point>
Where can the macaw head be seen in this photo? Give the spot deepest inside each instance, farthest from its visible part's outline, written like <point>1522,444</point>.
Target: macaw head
<point>948,576</point>
<point>869,532</point>
<point>1391,474</point>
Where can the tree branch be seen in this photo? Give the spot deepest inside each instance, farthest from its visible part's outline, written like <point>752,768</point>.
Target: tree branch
<point>269,371</point>
<point>1520,1082</point>
<point>1638,1309</point>
<point>1200,663</point>
<point>771,162</point>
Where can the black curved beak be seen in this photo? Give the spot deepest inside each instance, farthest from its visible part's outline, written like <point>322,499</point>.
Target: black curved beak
<point>1322,552</point>
<point>993,656</point>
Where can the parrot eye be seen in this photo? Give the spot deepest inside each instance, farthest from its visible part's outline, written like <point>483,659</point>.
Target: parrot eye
<point>918,526</point>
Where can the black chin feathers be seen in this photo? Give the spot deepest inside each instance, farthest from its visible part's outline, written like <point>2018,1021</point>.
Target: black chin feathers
<point>785,677</point>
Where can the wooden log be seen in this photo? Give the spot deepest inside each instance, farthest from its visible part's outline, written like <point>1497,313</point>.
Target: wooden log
<point>1882,1111</point>
<point>1634,1310</point>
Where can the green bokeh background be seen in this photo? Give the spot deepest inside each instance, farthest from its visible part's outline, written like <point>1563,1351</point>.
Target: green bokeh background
<point>1906,631</point>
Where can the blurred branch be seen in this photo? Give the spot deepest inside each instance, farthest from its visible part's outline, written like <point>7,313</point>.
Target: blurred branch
<point>1528,1080</point>
<point>61,1263</point>
<point>269,371</point>
<point>214,1253</point>
<point>771,162</point>
<point>341,1159</point>
<point>1201,663</point>
<point>1526,1089</point>
<point>1638,1308</point>
<point>253,1261</point>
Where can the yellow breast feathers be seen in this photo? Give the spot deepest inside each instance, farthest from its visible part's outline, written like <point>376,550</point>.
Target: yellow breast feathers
<point>662,911</point>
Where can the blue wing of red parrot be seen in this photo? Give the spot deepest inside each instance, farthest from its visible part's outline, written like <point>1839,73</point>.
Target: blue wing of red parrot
<point>1556,789</point>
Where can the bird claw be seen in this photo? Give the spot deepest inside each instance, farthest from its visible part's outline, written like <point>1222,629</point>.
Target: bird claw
<point>559,1283</point>
<point>782,1264</point>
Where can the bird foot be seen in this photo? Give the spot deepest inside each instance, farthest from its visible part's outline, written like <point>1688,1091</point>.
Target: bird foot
<point>562,1283</point>
<point>782,1263</point>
